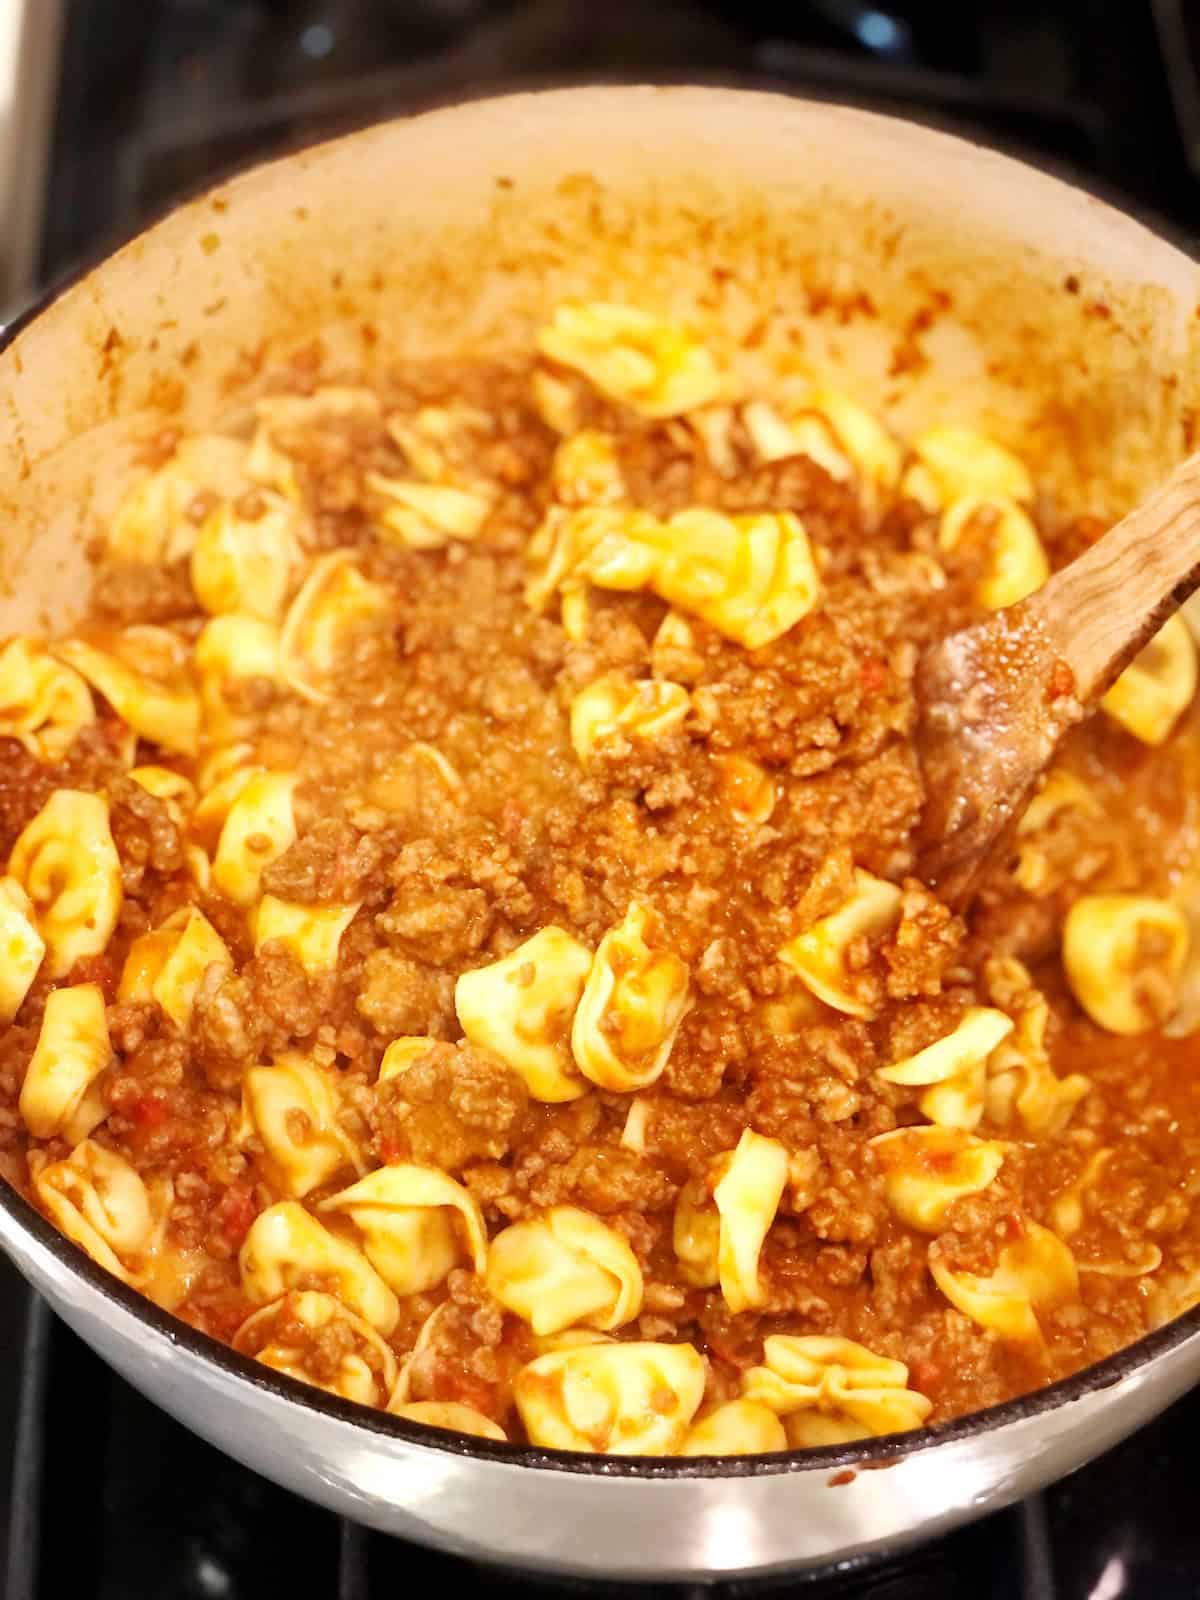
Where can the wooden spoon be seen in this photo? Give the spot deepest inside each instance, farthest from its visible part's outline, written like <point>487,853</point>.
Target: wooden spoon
<point>995,700</point>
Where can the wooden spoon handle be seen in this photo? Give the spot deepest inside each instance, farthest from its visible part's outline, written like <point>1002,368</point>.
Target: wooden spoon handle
<point>1102,609</point>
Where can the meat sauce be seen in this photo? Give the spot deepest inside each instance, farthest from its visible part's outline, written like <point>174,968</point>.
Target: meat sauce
<point>439,794</point>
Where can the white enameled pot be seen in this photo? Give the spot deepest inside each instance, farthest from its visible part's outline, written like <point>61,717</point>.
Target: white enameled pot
<point>938,281</point>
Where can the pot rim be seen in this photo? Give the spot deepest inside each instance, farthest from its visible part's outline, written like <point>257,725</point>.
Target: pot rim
<point>862,1454</point>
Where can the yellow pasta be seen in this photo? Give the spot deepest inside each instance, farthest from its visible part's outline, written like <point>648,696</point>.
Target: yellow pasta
<point>563,1268</point>
<point>747,1197</point>
<point>144,677</point>
<point>748,791</point>
<point>437,442</point>
<point>155,523</point>
<point>312,933</point>
<point>416,1222</point>
<point>632,1005</point>
<point>1021,1080</point>
<point>333,608</point>
<point>366,1366</point>
<point>520,1008</point>
<point>291,1108</point>
<point>738,1428</point>
<point>1061,792</point>
<point>927,1169</point>
<point>586,471</point>
<point>620,1399</point>
<point>673,651</point>
<point>751,576</point>
<point>654,366</point>
<point>452,1416</point>
<point>60,1096</point>
<point>21,947</point>
<point>230,650</point>
<point>775,438</point>
<point>286,1248</point>
<point>953,1069</point>
<point>1124,954</point>
<point>618,707</point>
<point>426,516</point>
<point>1035,1273</point>
<point>43,702</point>
<point>243,565</point>
<point>1018,563</point>
<point>831,1390</point>
<point>555,401</point>
<point>169,964</point>
<point>97,1199</point>
<point>404,1053</point>
<point>953,462</point>
<point>1157,687</point>
<point>67,864</point>
<point>176,792</point>
<point>260,826</point>
<point>819,955</point>
<point>696,1235</point>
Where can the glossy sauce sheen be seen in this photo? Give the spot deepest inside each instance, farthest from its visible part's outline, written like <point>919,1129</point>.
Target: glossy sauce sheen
<point>450,881</point>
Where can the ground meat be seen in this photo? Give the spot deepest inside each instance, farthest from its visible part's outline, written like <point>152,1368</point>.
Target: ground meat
<point>454,1105</point>
<point>439,792</point>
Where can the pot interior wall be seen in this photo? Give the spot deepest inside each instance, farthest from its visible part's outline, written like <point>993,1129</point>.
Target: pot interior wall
<point>933,280</point>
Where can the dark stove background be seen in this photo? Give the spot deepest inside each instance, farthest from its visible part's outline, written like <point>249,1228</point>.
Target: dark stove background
<point>102,1497</point>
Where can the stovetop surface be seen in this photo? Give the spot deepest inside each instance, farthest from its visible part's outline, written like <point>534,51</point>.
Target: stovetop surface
<point>102,1496</point>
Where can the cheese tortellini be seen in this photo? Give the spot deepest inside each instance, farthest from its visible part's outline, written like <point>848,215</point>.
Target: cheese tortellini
<point>954,462</point>
<point>1124,954</point>
<point>335,606</point>
<point>287,1248</point>
<point>1157,687</point>
<point>520,1008</point>
<point>66,863</point>
<point>751,576</point>
<point>292,1109</point>
<point>168,965</point>
<point>831,1391</point>
<point>59,1097</point>
<point>43,702</point>
<point>953,1070</point>
<point>157,522</point>
<point>100,1202</point>
<point>426,516</point>
<point>451,1415</point>
<point>747,1196</point>
<point>631,1008</point>
<point>748,791</point>
<point>564,1268</point>
<point>1035,1273</point>
<point>819,955</point>
<point>654,366</point>
<point>619,1399</point>
<point>927,1169</point>
<point>416,1223</point>
<point>144,676</point>
<point>232,650</point>
<point>738,1428</point>
<point>243,564</point>
<point>312,933</point>
<point>21,947</point>
<point>259,827</point>
<point>619,707</point>
<point>292,1333</point>
<point>1021,1082</point>
<point>1018,564</point>
<point>586,470</point>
